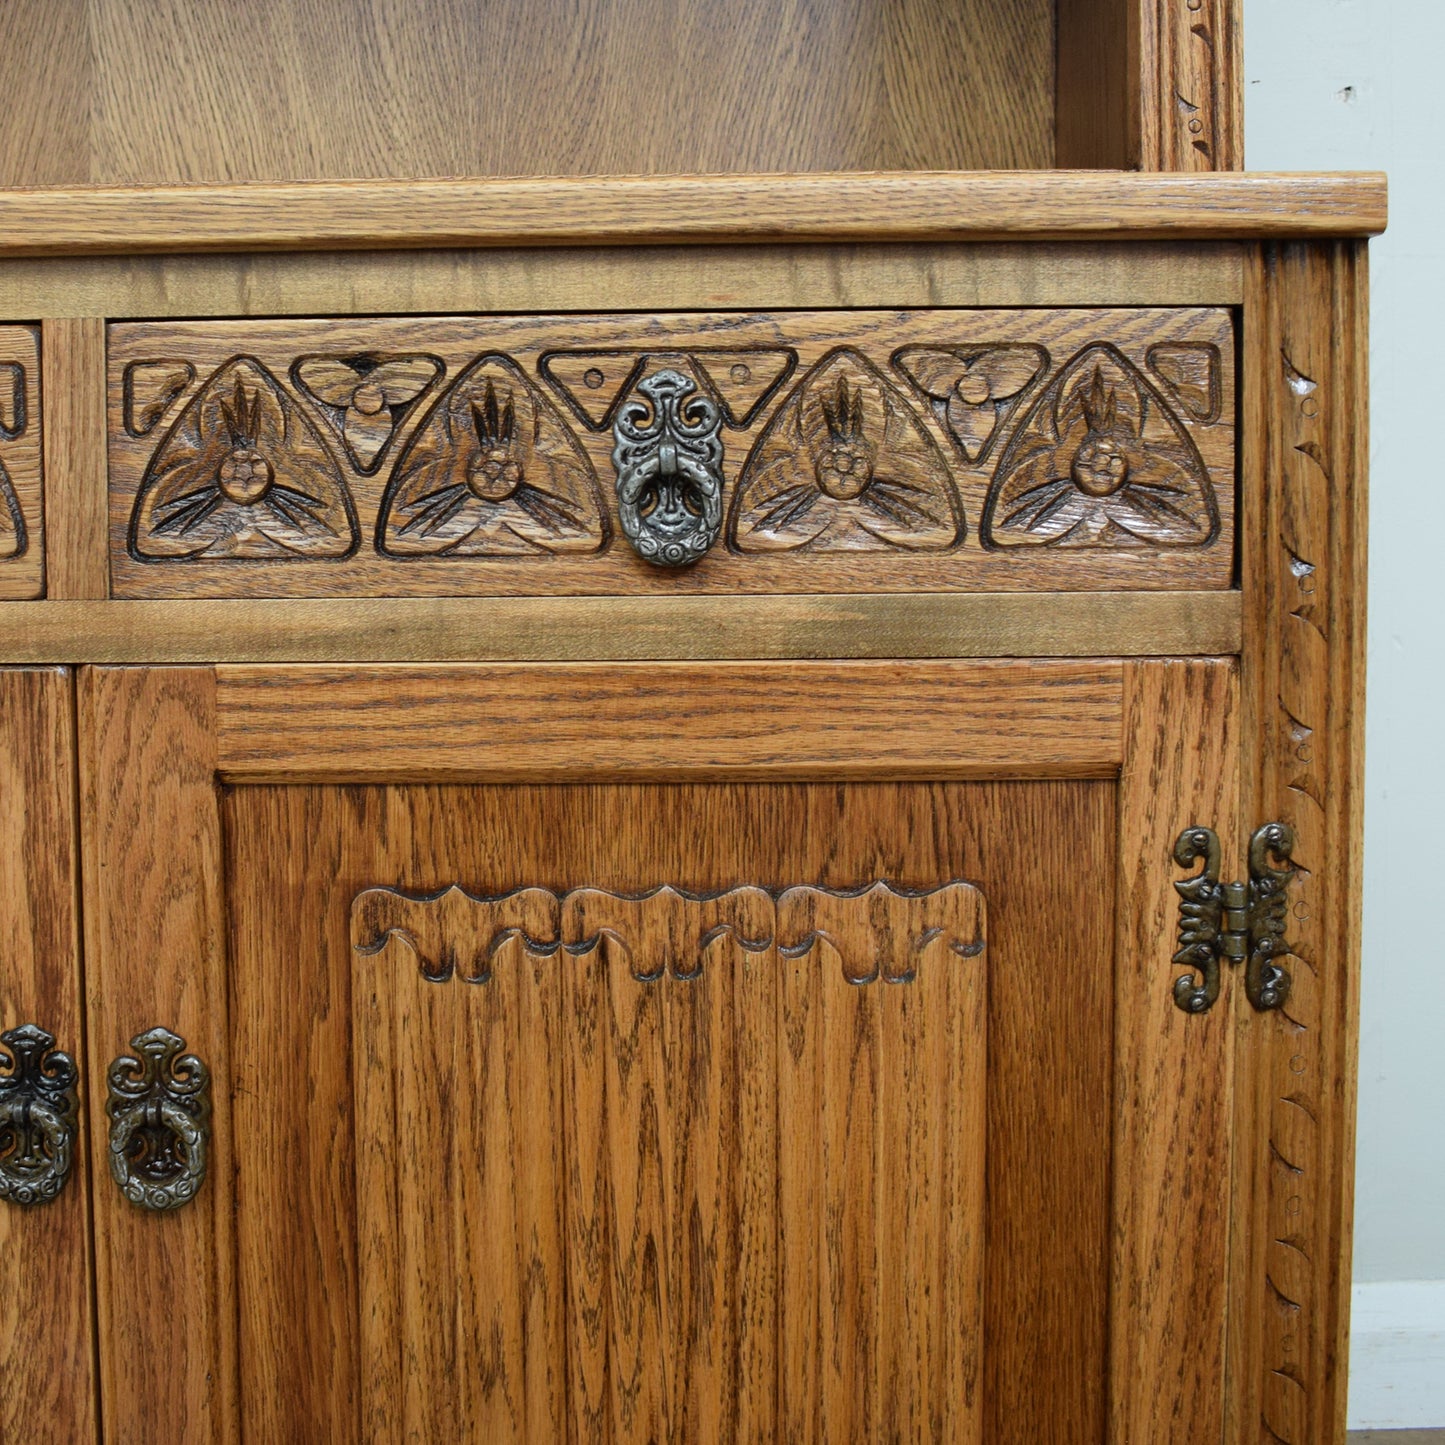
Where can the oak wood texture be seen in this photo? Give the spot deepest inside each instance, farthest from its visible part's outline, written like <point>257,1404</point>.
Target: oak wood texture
<point>1164,377</point>
<point>1152,85</point>
<point>525,87</point>
<point>22,527</point>
<point>299,856</point>
<point>580,722</point>
<point>77,561</point>
<point>1305,457</point>
<point>583,629</point>
<point>789,1242</point>
<point>642,210</point>
<point>47,1375</point>
<point>1173,1087</point>
<point>699,277</point>
<point>155,951</point>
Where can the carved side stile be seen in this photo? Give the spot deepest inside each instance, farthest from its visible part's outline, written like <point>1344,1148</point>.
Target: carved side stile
<point>1304,651</point>
<point>1191,97</point>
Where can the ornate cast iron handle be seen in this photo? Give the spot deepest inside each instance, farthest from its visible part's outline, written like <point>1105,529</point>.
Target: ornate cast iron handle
<point>37,1116</point>
<point>159,1106</point>
<point>668,457</point>
<point>1238,922</point>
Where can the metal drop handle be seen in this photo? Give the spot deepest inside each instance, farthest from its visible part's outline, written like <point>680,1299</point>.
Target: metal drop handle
<point>668,457</point>
<point>38,1105</point>
<point>159,1107</point>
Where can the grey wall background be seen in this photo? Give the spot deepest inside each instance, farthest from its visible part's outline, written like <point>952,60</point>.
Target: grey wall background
<point>1349,85</point>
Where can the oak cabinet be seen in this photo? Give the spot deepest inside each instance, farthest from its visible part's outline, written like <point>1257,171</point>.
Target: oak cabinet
<point>692,807</point>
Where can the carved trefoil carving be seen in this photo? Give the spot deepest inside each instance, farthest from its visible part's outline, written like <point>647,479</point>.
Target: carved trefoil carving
<point>13,538</point>
<point>974,390</point>
<point>366,398</point>
<point>243,473</point>
<point>877,932</point>
<point>1100,461</point>
<point>845,465</point>
<point>493,471</point>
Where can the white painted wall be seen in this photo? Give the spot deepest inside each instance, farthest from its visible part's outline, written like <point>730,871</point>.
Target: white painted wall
<point>1356,84</point>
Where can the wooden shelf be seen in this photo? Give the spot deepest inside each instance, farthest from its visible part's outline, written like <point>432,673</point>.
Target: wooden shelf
<point>854,206</point>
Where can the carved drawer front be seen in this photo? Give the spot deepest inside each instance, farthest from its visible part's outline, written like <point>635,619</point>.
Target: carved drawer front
<point>846,451</point>
<point>22,551</point>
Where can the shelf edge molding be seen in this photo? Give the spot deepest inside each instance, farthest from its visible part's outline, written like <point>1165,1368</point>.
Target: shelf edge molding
<point>640,210</point>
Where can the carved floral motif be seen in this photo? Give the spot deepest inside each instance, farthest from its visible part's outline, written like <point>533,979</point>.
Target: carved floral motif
<point>1100,461</point>
<point>974,390</point>
<point>845,465</point>
<point>243,473</point>
<point>492,472</point>
<point>366,398</point>
<point>148,391</point>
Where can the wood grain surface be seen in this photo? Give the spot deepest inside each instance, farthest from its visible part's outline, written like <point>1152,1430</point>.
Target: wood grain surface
<point>911,206</point>
<point>964,416</point>
<point>299,856</point>
<point>582,629</point>
<point>849,720</point>
<point>290,89</point>
<point>22,526</point>
<point>1306,460</point>
<point>701,277</point>
<point>155,947</point>
<point>1172,1070</point>
<point>78,560</point>
<point>47,1374</point>
<point>579,1078</point>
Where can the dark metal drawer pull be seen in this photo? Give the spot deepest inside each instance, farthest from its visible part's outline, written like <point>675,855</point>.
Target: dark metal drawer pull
<point>669,470</point>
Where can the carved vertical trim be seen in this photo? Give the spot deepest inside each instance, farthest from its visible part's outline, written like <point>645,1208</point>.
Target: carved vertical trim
<point>1189,64</point>
<point>1304,577</point>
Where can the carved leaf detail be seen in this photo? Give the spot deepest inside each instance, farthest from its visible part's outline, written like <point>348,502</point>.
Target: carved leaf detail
<point>1100,461</point>
<point>845,465</point>
<point>492,472</point>
<point>1190,374</point>
<point>973,390</point>
<point>366,398</point>
<point>12,522</point>
<point>149,389</point>
<point>243,473</point>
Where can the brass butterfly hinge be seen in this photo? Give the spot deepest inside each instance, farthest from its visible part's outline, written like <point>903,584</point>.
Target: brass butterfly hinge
<point>1238,922</point>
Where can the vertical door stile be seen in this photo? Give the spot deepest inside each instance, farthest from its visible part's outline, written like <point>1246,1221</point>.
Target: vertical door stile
<point>47,1370</point>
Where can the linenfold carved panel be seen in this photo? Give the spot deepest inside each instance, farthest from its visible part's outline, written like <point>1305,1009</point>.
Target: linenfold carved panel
<point>861,451</point>
<point>877,932</point>
<point>21,551</point>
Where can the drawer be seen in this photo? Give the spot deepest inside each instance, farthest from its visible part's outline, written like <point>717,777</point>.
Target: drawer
<point>848,451</point>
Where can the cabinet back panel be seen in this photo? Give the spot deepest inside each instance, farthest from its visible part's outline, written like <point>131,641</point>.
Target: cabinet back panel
<point>336,89</point>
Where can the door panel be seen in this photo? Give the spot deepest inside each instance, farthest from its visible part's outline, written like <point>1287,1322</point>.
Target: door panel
<point>740,1201</point>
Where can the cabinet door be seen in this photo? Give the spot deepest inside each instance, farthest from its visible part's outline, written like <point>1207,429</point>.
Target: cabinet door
<point>690,1052</point>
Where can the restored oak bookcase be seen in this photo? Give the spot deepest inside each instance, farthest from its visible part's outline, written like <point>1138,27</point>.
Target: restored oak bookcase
<point>593,771</point>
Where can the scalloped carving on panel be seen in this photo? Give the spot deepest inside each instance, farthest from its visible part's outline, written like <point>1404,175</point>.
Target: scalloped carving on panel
<point>1100,461</point>
<point>148,391</point>
<point>1190,373</point>
<point>973,390</point>
<point>243,474</point>
<point>366,398</point>
<point>845,465</point>
<point>493,471</point>
<point>592,382</point>
<point>12,400</point>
